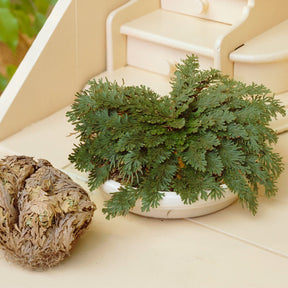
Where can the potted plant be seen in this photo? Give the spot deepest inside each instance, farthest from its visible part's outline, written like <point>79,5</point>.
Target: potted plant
<point>211,133</point>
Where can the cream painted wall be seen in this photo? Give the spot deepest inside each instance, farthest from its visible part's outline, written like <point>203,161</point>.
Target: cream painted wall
<point>91,23</point>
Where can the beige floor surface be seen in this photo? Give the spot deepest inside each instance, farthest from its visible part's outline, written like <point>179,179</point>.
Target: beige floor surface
<point>230,248</point>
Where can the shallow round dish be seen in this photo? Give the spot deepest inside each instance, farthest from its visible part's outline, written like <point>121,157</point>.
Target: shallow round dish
<point>172,207</point>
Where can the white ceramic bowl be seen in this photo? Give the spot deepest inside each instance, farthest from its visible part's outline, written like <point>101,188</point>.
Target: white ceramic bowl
<point>172,207</point>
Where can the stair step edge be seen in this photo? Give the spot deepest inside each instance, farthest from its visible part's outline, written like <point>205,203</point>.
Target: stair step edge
<point>146,36</point>
<point>270,46</point>
<point>172,29</point>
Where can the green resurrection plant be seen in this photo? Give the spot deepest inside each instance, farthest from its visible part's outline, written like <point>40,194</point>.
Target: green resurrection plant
<point>209,131</point>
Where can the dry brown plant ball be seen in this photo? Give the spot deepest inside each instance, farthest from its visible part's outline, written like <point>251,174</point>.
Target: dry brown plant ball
<point>42,212</point>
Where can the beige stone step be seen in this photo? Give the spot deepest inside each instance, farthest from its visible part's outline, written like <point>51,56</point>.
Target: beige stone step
<point>135,76</point>
<point>47,139</point>
<point>264,59</point>
<point>160,38</point>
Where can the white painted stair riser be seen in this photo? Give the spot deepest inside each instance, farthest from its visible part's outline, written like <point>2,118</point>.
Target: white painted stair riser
<point>227,11</point>
<point>159,58</point>
<point>261,73</point>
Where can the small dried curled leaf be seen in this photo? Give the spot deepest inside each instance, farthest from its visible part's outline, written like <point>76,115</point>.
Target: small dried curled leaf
<point>42,212</point>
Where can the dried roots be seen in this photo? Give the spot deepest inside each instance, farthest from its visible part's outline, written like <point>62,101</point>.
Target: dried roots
<point>42,212</point>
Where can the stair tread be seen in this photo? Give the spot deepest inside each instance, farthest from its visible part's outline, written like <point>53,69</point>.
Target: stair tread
<point>272,45</point>
<point>177,30</point>
<point>46,139</point>
<point>135,76</point>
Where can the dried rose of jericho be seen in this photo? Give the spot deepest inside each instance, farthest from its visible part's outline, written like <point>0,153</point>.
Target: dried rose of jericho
<point>42,212</point>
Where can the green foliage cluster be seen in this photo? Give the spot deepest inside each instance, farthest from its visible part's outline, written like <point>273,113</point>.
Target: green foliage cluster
<point>20,17</point>
<point>210,130</point>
